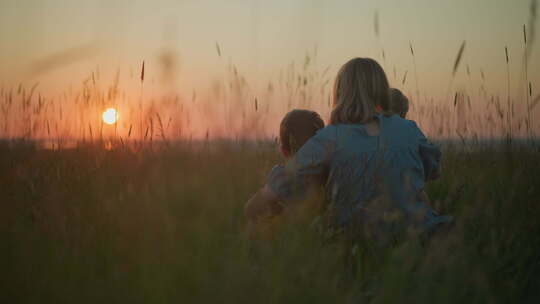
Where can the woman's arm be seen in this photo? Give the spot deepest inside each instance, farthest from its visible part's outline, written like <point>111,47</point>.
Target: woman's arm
<point>262,204</point>
<point>292,183</point>
<point>308,169</point>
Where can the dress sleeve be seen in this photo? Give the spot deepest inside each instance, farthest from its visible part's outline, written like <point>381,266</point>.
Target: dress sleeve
<point>308,168</point>
<point>277,180</point>
<point>430,155</point>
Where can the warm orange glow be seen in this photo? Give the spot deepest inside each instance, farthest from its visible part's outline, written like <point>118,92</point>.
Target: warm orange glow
<point>110,116</point>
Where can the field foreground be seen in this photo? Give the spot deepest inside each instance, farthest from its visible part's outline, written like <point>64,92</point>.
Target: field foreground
<point>89,225</point>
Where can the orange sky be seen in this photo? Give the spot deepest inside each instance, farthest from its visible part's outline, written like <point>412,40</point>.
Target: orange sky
<point>59,43</point>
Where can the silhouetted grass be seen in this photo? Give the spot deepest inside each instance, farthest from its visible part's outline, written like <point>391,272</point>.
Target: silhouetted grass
<point>88,225</point>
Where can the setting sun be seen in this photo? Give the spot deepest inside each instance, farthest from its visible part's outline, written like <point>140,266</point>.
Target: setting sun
<point>110,116</point>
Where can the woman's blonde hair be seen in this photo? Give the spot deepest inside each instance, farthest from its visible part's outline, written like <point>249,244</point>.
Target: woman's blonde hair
<point>360,86</point>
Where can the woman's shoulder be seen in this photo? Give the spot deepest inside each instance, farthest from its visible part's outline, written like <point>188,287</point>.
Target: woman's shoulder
<point>327,133</point>
<point>397,124</point>
<point>400,132</point>
<point>340,132</point>
<point>397,120</point>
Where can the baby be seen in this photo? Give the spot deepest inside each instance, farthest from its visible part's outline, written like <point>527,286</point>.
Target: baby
<point>399,103</point>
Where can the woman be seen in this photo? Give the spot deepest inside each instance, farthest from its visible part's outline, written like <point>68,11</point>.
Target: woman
<point>374,165</point>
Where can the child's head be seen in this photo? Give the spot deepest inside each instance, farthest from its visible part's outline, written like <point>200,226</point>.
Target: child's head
<point>296,128</point>
<point>361,86</point>
<point>399,103</point>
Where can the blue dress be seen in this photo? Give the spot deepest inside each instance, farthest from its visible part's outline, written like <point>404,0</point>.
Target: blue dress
<point>366,178</point>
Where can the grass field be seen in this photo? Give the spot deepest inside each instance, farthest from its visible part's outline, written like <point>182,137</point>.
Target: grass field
<point>89,225</point>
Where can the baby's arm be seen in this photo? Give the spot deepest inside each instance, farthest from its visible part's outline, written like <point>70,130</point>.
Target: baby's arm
<point>431,158</point>
<point>423,197</point>
<point>430,155</point>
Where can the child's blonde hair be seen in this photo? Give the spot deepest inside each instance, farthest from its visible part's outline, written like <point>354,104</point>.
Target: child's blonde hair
<point>360,86</point>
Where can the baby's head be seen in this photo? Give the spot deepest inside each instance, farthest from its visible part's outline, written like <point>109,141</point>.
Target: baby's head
<point>399,103</point>
<point>296,128</point>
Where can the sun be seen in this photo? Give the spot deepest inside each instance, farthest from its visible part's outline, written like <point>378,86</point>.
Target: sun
<point>110,116</point>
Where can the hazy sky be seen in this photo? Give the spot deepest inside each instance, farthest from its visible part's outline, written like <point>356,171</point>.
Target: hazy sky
<point>262,35</point>
<point>60,42</point>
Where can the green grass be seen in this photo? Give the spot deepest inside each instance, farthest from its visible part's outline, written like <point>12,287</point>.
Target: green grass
<point>88,225</point>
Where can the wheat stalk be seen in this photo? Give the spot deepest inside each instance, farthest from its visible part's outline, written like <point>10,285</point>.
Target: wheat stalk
<point>415,71</point>
<point>508,99</point>
<point>458,58</point>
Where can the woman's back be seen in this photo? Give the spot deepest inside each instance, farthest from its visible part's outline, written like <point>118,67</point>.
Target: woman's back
<point>368,176</point>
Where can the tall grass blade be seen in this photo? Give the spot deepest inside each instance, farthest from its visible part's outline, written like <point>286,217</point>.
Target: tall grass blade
<point>142,72</point>
<point>376,24</point>
<point>404,77</point>
<point>218,49</point>
<point>535,102</point>
<point>458,58</point>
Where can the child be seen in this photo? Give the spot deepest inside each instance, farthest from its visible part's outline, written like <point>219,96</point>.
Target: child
<point>295,129</point>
